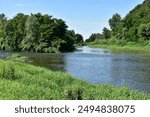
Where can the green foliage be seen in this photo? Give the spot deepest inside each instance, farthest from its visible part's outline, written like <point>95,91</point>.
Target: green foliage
<point>144,31</point>
<point>114,21</point>
<point>17,57</point>
<point>94,37</point>
<point>14,56</point>
<point>118,46</point>
<point>36,33</point>
<point>23,81</point>
<point>15,32</point>
<point>106,33</point>
<point>76,39</point>
<point>134,27</point>
<point>79,39</point>
<point>3,42</point>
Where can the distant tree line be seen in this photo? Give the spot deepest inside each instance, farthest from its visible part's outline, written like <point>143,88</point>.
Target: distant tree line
<point>134,28</point>
<point>36,33</point>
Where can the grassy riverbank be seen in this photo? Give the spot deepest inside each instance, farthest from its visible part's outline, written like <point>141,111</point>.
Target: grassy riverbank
<point>23,81</point>
<point>127,47</point>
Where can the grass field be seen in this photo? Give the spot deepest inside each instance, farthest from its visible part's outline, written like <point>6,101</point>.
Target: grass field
<point>134,48</point>
<point>23,81</point>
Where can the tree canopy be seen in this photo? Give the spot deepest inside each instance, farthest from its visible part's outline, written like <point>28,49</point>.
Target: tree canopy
<point>114,21</point>
<point>36,33</point>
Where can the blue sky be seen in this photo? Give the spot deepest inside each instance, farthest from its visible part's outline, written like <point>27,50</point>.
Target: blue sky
<point>83,16</point>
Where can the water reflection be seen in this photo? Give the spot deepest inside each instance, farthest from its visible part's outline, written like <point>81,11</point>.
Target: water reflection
<point>54,62</point>
<point>88,50</point>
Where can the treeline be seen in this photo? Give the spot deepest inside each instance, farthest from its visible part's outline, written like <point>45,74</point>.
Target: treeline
<point>134,28</point>
<point>36,33</point>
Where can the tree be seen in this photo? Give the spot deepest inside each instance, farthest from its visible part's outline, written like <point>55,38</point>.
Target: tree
<point>10,36</point>
<point>106,33</point>
<point>144,31</point>
<point>32,34</point>
<point>3,42</point>
<point>134,27</point>
<point>2,23</point>
<point>46,26</point>
<point>113,22</point>
<point>59,28</point>
<point>36,32</point>
<point>18,23</point>
<point>93,37</point>
<point>79,39</point>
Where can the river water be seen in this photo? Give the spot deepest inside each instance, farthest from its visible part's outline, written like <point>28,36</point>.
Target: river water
<point>120,68</point>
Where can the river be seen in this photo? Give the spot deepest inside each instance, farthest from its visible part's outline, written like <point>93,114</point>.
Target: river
<point>120,68</point>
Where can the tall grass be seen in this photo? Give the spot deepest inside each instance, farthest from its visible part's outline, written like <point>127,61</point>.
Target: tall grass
<point>23,81</point>
<point>121,45</point>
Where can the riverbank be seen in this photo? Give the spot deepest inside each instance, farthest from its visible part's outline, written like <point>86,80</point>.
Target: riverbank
<point>24,81</point>
<point>128,47</point>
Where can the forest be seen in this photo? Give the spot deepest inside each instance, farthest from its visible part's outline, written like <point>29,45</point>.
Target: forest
<point>37,33</point>
<point>133,29</point>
